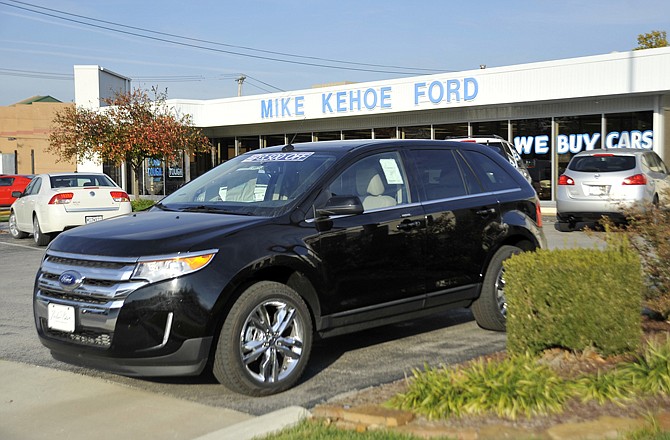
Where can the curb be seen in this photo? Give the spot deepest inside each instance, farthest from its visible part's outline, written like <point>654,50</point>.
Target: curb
<point>374,417</point>
<point>260,426</point>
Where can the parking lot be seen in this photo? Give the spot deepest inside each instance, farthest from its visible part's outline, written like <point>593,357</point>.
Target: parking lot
<point>339,365</point>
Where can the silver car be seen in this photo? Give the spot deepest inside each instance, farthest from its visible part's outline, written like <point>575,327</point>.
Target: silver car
<point>600,183</point>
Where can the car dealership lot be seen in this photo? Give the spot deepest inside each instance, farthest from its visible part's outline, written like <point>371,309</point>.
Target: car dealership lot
<point>338,365</point>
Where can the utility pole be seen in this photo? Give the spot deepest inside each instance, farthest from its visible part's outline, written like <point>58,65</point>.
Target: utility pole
<point>240,80</point>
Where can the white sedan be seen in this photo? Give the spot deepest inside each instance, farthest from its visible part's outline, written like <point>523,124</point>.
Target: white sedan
<point>52,203</point>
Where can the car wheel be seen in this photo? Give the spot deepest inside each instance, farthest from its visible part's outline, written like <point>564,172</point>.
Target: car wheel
<point>41,239</point>
<point>265,341</point>
<point>490,309</point>
<point>566,226</point>
<point>14,227</point>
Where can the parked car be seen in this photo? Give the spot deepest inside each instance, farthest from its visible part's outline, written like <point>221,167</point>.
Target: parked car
<point>601,183</point>
<point>10,183</point>
<point>240,269</point>
<point>502,147</point>
<point>52,203</point>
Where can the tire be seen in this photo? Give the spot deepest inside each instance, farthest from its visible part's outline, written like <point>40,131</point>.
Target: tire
<point>14,227</point>
<point>490,309</point>
<point>41,239</point>
<point>276,354</point>
<point>565,226</point>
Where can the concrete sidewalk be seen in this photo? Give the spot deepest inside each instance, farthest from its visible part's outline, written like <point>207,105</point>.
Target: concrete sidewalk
<point>43,403</point>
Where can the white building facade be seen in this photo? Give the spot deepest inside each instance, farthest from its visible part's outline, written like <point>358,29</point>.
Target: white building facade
<point>548,110</point>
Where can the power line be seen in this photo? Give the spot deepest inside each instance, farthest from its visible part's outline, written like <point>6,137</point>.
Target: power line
<point>304,63</point>
<point>34,74</point>
<point>140,79</point>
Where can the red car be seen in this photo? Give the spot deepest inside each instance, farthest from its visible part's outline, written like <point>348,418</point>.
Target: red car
<point>10,183</point>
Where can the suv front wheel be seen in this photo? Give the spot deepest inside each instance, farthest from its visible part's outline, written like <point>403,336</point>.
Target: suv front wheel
<point>490,309</point>
<point>265,341</point>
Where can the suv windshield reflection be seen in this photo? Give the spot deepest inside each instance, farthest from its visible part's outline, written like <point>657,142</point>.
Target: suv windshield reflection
<point>263,184</point>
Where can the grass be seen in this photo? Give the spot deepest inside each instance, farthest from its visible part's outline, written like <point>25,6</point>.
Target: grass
<point>319,430</point>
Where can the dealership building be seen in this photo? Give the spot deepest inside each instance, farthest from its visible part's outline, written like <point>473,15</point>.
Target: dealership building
<point>549,110</point>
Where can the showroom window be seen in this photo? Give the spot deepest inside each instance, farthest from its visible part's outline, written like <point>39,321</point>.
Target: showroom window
<point>418,132</point>
<point>357,134</point>
<point>575,134</point>
<point>629,130</point>
<point>274,139</point>
<point>444,131</point>
<point>532,140</point>
<point>500,128</point>
<point>327,136</point>
<point>385,133</point>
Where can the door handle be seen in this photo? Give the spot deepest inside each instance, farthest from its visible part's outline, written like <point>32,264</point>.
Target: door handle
<point>407,225</point>
<point>486,212</point>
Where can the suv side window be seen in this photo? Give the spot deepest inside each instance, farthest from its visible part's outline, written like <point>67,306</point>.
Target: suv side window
<point>439,174</point>
<point>378,180</point>
<point>494,177</point>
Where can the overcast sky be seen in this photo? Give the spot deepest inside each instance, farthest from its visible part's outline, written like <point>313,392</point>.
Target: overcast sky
<point>197,49</point>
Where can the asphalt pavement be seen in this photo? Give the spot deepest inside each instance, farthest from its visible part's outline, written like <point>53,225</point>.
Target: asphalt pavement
<point>45,403</point>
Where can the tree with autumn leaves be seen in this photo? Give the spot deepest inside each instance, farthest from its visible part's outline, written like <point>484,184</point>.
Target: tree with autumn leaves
<point>132,128</point>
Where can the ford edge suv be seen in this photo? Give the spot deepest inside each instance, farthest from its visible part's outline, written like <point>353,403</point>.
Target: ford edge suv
<point>239,270</point>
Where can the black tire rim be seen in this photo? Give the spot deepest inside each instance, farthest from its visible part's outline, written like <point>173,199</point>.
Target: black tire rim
<point>271,341</point>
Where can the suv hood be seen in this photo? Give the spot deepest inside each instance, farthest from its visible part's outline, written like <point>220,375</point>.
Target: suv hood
<point>151,233</point>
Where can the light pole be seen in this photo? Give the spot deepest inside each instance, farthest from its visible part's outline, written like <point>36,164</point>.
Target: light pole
<point>240,80</point>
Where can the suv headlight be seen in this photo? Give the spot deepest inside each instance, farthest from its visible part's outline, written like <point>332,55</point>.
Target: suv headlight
<point>159,268</point>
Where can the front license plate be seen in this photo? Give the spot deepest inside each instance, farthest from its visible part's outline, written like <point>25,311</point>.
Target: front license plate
<point>93,218</point>
<point>61,317</point>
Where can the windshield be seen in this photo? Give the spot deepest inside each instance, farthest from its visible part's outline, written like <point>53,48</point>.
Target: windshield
<point>262,184</point>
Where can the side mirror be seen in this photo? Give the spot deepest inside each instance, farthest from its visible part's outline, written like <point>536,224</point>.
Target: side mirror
<point>16,194</point>
<point>336,205</point>
<point>341,205</point>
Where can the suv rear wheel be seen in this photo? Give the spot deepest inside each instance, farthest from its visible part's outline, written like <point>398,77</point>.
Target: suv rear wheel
<point>265,341</point>
<point>490,309</point>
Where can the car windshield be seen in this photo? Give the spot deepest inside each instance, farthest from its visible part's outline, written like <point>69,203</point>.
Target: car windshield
<point>602,163</point>
<point>262,184</point>
<point>80,180</point>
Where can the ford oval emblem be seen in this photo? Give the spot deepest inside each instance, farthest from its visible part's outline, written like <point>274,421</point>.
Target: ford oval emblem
<point>70,280</point>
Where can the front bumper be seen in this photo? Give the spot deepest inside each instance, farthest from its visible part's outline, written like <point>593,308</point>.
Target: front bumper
<point>189,360</point>
<point>120,325</point>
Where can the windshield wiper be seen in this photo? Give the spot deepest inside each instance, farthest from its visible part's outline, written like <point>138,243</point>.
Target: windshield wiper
<point>204,208</point>
<point>160,206</point>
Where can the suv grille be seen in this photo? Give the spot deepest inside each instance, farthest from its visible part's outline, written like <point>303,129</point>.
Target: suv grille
<point>97,296</point>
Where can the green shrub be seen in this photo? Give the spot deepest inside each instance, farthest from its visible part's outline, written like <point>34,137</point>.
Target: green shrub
<point>649,234</point>
<point>521,385</point>
<point>574,299</point>
<point>509,388</point>
<point>610,386</point>
<point>142,204</point>
<point>651,371</point>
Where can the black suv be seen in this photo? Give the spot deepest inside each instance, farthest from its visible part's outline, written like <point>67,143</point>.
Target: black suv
<point>241,268</point>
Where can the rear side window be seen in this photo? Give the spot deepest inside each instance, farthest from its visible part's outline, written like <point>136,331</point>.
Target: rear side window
<point>439,174</point>
<point>6,181</point>
<point>602,163</point>
<point>492,176</point>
